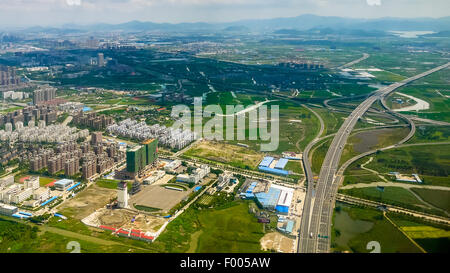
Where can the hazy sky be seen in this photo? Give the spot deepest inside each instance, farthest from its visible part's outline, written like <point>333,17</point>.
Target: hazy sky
<point>57,12</point>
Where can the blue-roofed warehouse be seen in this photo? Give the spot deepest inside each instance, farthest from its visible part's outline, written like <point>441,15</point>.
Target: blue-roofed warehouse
<point>269,199</point>
<point>281,163</point>
<point>266,161</point>
<point>272,170</point>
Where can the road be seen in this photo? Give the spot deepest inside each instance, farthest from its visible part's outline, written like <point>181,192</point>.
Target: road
<point>315,236</point>
<point>365,56</point>
<point>309,179</point>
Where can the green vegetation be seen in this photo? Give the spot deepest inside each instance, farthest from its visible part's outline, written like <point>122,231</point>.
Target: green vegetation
<point>145,208</point>
<point>318,154</point>
<point>425,134</point>
<point>437,198</point>
<point>230,229</point>
<point>430,162</point>
<point>233,155</point>
<point>295,166</point>
<point>370,140</point>
<point>386,76</point>
<point>432,237</point>
<point>110,183</point>
<point>17,237</point>
<point>392,195</point>
<point>354,227</point>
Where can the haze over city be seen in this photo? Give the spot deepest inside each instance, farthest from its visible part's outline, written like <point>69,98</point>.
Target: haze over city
<point>57,12</point>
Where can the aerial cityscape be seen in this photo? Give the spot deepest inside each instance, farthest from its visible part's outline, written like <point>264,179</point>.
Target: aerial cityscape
<point>298,127</point>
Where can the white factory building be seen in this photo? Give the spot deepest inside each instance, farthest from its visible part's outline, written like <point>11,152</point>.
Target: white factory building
<point>195,177</point>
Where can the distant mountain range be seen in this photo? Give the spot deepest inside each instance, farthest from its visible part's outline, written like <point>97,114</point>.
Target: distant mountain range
<point>299,23</point>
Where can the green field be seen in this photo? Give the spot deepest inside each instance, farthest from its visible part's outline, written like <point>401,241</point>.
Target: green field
<point>295,166</point>
<point>437,198</point>
<point>354,227</point>
<point>370,140</point>
<point>17,237</point>
<point>432,237</point>
<point>231,229</point>
<point>392,195</point>
<point>425,134</point>
<point>430,162</point>
<point>318,154</point>
<point>233,155</point>
<point>110,183</point>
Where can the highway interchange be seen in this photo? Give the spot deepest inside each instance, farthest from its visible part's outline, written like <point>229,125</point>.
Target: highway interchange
<point>315,226</point>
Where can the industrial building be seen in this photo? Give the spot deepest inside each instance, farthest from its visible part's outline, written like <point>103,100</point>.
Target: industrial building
<point>265,166</point>
<point>275,197</point>
<point>170,167</point>
<point>196,175</point>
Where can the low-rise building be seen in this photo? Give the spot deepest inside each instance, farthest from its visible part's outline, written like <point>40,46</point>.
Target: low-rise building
<point>8,209</point>
<point>41,194</point>
<point>63,184</point>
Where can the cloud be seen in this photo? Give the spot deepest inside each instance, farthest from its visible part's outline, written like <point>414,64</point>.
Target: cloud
<point>374,2</point>
<point>73,2</point>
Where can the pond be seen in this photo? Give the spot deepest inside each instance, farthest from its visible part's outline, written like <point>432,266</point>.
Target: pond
<point>348,227</point>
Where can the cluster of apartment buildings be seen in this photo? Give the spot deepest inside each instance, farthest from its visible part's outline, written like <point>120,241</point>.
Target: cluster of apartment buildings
<point>173,138</point>
<point>30,113</point>
<point>71,107</point>
<point>41,133</point>
<point>44,94</point>
<point>95,157</point>
<point>8,76</point>
<point>92,120</point>
<point>14,95</point>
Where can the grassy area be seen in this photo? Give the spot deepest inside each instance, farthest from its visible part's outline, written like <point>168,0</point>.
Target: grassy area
<point>426,134</point>
<point>392,195</point>
<point>229,229</point>
<point>318,154</point>
<point>386,76</point>
<point>332,121</point>
<point>354,227</point>
<point>110,183</point>
<point>433,237</point>
<point>370,140</point>
<point>233,155</point>
<point>430,162</point>
<point>145,208</point>
<point>434,90</point>
<point>295,166</point>
<point>17,237</point>
<point>437,198</point>
<point>232,229</point>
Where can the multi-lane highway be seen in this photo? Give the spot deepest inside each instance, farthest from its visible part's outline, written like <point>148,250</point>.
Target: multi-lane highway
<point>316,218</point>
